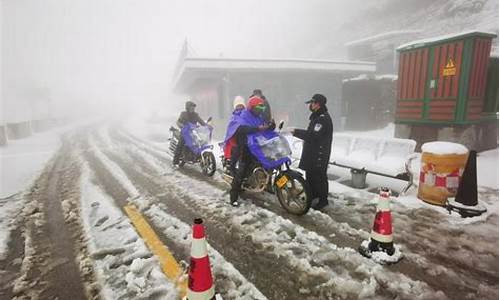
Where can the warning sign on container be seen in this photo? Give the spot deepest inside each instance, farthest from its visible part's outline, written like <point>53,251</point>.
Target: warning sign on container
<point>450,69</point>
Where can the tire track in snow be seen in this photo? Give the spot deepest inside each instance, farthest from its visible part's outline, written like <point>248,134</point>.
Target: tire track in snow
<point>236,286</point>
<point>49,268</point>
<point>424,261</point>
<point>416,265</point>
<point>205,203</point>
<point>125,266</point>
<point>345,235</point>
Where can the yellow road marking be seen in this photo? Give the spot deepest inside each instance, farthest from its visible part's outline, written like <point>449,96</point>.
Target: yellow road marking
<point>168,263</point>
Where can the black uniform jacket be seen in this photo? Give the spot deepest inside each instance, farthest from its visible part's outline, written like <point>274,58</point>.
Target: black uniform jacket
<point>189,117</point>
<point>317,141</point>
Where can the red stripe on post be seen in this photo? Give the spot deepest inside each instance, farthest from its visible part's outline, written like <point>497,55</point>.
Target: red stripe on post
<point>200,276</point>
<point>383,223</point>
<point>198,231</point>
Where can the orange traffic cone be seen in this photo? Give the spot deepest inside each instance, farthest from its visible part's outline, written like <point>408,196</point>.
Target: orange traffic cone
<point>200,282</point>
<point>381,236</point>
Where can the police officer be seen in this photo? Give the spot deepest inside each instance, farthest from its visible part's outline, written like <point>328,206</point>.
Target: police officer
<point>316,150</point>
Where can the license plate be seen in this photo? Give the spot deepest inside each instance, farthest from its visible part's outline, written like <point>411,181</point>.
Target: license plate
<point>282,181</point>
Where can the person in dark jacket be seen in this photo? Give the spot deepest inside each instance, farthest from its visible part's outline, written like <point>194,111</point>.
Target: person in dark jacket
<point>187,116</point>
<point>316,150</point>
<point>267,113</point>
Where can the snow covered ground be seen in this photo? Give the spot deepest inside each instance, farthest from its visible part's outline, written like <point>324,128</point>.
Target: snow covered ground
<point>258,251</point>
<point>124,265</point>
<point>21,162</point>
<point>487,162</point>
<point>347,200</point>
<point>487,173</point>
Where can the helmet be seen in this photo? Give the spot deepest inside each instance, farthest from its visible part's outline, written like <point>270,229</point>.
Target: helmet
<point>238,100</point>
<point>190,104</point>
<point>254,101</point>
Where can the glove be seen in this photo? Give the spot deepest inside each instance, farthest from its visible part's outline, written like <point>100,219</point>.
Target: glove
<point>272,125</point>
<point>263,127</point>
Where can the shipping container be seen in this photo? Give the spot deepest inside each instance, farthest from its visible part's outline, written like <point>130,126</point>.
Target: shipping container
<point>443,80</point>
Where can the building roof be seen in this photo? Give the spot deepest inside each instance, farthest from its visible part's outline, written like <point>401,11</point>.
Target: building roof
<point>444,38</point>
<point>192,68</point>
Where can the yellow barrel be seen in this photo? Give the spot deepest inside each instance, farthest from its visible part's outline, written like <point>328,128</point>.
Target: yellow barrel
<point>442,165</point>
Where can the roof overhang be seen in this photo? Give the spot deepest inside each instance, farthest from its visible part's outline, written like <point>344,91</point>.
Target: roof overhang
<point>193,69</point>
<point>444,38</point>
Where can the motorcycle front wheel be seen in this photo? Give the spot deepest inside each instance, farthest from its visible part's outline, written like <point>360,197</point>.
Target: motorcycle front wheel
<point>294,194</point>
<point>208,165</point>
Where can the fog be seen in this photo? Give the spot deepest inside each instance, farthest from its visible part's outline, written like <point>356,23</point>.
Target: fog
<point>66,57</point>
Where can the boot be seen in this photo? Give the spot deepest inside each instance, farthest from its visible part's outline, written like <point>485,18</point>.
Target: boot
<point>321,204</point>
<point>233,198</point>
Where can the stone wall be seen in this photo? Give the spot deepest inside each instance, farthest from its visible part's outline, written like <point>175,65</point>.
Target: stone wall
<point>19,130</point>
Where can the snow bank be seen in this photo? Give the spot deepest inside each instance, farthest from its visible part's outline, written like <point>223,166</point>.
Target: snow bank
<point>487,169</point>
<point>22,160</point>
<point>443,148</point>
<point>10,209</point>
<point>375,77</point>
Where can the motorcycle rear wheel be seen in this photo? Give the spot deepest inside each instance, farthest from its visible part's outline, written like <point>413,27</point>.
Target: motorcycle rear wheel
<point>208,165</point>
<point>294,196</point>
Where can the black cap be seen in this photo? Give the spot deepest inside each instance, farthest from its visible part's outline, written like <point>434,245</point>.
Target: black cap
<point>257,92</point>
<point>318,98</point>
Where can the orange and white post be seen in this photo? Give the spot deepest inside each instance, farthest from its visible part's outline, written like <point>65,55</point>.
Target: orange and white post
<point>200,281</point>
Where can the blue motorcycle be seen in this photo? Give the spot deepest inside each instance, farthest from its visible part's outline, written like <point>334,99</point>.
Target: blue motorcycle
<point>271,172</point>
<point>197,146</point>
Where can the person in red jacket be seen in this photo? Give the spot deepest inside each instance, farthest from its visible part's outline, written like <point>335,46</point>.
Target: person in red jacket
<point>231,149</point>
<point>248,121</point>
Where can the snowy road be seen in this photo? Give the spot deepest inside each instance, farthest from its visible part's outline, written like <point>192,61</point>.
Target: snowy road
<point>73,230</point>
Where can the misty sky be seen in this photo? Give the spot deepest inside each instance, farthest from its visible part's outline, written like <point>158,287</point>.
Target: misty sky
<point>81,51</point>
<point>77,53</point>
